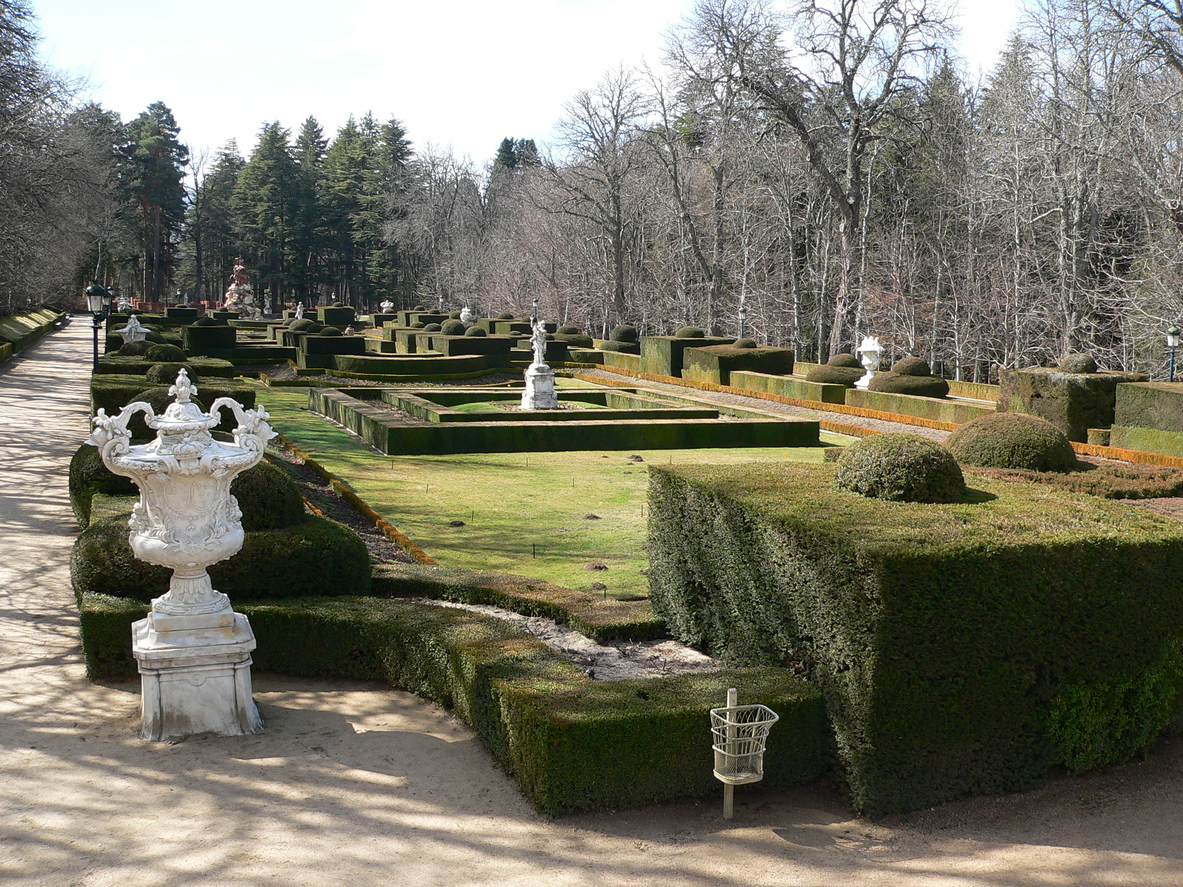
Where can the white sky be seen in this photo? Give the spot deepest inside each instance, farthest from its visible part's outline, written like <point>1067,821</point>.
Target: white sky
<point>456,73</point>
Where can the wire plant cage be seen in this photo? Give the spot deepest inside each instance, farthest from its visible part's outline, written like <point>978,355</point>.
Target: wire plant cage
<point>739,734</point>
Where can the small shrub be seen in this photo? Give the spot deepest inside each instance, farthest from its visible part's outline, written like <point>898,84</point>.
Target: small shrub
<point>625,332</point>
<point>165,354</point>
<point>432,328</point>
<point>1012,440</point>
<point>267,498</point>
<point>452,327</point>
<point>900,468</point>
<point>152,337</point>
<point>166,373</point>
<point>916,385</point>
<point>1078,363</point>
<point>835,375</point>
<point>745,343</point>
<point>88,475</point>
<point>505,315</point>
<point>136,349</point>
<point>418,308</point>
<point>844,359</point>
<point>210,320</point>
<point>454,315</point>
<point>568,330</point>
<point>689,332</point>
<point>475,332</point>
<point>912,366</point>
<point>418,325</point>
<point>303,325</point>
<point>336,305</point>
<point>330,331</point>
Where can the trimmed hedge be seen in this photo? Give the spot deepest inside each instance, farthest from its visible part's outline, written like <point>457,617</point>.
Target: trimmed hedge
<point>789,386</point>
<point>716,363</point>
<point>830,374</point>
<point>114,392</point>
<point>22,330</point>
<point>663,355</point>
<point>212,340</point>
<point>205,367</point>
<point>900,468</point>
<point>969,647</point>
<point>910,383</point>
<point>316,556</point>
<point>1073,402</point>
<point>1012,440</point>
<point>937,409</point>
<point>572,743</point>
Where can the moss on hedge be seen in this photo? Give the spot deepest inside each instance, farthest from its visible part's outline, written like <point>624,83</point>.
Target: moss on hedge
<point>909,383</point>
<point>949,640</point>
<point>1012,440</point>
<point>829,374</point>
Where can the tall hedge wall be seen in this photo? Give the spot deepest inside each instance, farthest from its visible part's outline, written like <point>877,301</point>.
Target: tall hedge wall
<point>961,648</point>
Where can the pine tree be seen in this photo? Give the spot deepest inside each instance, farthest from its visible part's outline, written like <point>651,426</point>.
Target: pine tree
<point>264,205</point>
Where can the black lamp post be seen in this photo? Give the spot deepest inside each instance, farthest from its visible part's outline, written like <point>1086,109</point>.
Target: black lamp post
<point>96,296</point>
<point>743,316</point>
<point>1173,337</point>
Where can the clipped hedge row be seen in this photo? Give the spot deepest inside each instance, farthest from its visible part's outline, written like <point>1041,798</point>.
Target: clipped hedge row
<point>789,386</point>
<point>1073,402</point>
<point>967,647</point>
<point>717,363</point>
<point>113,392</point>
<point>572,743</point>
<point>937,409</point>
<point>663,355</point>
<point>22,330</point>
<point>206,367</point>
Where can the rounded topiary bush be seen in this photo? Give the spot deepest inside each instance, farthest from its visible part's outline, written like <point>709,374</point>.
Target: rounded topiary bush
<point>336,305</point>
<point>453,315</point>
<point>1078,363</point>
<point>452,328</point>
<point>267,498</point>
<point>418,325</point>
<point>900,468</point>
<point>303,325</point>
<point>88,475</point>
<point>689,332</point>
<point>432,328</point>
<point>1012,440</point>
<point>912,366</point>
<point>166,373</point>
<point>918,386</point>
<point>844,359</point>
<point>154,338</point>
<point>210,320</point>
<point>475,332</point>
<point>418,308</point>
<point>505,315</point>
<point>136,349</point>
<point>744,343</point>
<point>165,354</point>
<point>330,331</point>
<point>624,332</point>
<point>835,375</point>
<point>568,330</point>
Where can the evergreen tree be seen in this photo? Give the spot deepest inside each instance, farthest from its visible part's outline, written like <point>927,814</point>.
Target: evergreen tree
<point>309,241</point>
<point>264,205</point>
<point>151,173</point>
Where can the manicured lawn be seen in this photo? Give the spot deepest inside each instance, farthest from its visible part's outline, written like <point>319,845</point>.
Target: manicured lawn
<point>529,514</point>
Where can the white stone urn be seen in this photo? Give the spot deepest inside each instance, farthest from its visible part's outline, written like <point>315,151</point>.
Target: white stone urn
<point>870,351</point>
<point>193,650</point>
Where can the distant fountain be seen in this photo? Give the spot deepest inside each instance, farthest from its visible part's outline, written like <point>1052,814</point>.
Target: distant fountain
<point>240,295</point>
<point>540,379</point>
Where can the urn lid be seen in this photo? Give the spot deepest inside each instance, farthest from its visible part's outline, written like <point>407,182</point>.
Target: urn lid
<point>182,415</point>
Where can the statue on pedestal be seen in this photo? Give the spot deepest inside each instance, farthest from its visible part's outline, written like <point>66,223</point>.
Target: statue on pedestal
<point>240,295</point>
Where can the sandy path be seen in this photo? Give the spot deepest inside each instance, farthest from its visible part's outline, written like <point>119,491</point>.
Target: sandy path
<point>354,784</point>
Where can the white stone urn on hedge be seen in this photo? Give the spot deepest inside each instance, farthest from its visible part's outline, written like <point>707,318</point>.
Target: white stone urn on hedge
<point>193,650</point>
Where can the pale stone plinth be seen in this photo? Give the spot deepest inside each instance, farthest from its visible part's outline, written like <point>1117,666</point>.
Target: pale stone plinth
<point>195,674</point>
<point>540,389</point>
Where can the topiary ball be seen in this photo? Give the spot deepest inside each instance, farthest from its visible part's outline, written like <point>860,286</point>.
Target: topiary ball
<point>912,366</point>
<point>835,375</point>
<point>418,308</point>
<point>302,325</point>
<point>452,328</point>
<point>505,315</point>
<point>844,359</point>
<point>136,349</point>
<point>1078,363</point>
<point>165,354</point>
<point>900,468</point>
<point>475,332</point>
<point>418,325</point>
<point>155,338</point>
<point>1012,440</point>
<point>744,343</point>
<point>568,330</point>
<point>88,475</point>
<point>166,373</point>
<point>330,331</point>
<point>336,305</point>
<point>689,332</point>
<point>917,386</point>
<point>453,315</point>
<point>432,328</point>
<point>267,498</point>
<point>209,320</point>
<point>625,332</point>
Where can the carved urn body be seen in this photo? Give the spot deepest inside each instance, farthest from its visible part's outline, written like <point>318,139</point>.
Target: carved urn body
<point>193,650</point>
<point>870,350</point>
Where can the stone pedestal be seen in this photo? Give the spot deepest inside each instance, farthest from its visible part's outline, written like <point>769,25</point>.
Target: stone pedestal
<point>195,674</point>
<point>540,389</point>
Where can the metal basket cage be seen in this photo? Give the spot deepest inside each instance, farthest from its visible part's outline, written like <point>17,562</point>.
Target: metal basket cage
<point>739,734</point>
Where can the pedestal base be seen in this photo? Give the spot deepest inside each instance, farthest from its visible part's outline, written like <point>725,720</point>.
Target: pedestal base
<point>540,389</point>
<point>195,675</point>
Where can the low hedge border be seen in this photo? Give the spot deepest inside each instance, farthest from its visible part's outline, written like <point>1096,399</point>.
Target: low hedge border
<point>571,742</point>
<point>598,618</point>
<point>22,330</point>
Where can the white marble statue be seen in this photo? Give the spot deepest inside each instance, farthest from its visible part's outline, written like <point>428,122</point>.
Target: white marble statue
<point>540,379</point>
<point>299,310</point>
<point>467,317</point>
<point>267,305</point>
<point>538,342</point>
<point>870,351</point>
<point>133,332</point>
<point>193,650</point>
<point>123,303</point>
<point>386,306</point>
<point>240,296</point>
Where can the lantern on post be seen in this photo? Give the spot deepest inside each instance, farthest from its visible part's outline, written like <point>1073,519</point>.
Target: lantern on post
<point>1173,338</point>
<point>96,297</point>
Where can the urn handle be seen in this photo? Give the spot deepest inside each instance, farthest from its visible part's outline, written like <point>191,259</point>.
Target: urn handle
<point>110,433</point>
<point>252,432</point>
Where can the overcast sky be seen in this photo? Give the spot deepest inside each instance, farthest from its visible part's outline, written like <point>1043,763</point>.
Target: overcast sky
<point>457,73</point>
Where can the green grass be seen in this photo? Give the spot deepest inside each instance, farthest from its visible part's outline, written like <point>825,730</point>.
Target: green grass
<point>523,513</point>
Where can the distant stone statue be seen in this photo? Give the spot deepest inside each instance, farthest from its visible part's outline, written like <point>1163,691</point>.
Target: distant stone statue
<point>466,316</point>
<point>123,303</point>
<point>299,310</point>
<point>387,306</point>
<point>133,332</point>
<point>267,305</point>
<point>538,341</point>
<point>240,296</point>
